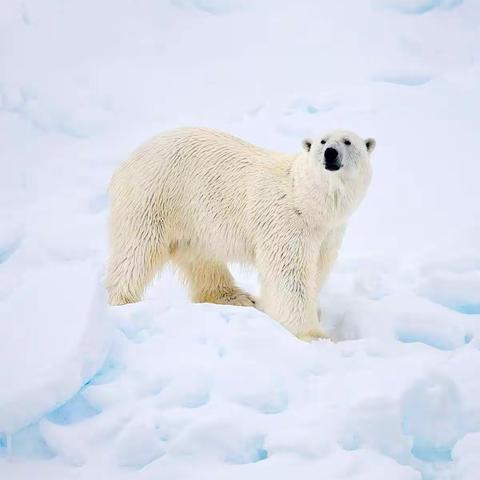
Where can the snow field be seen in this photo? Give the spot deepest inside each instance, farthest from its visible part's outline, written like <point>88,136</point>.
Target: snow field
<point>167,389</point>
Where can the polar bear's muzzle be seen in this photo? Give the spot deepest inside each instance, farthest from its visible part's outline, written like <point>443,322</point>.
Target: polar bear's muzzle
<point>331,159</point>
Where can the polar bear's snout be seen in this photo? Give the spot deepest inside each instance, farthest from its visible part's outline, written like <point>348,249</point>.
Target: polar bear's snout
<point>332,160</point>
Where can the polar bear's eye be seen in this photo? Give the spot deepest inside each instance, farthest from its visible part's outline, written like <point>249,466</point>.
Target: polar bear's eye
<point>347,142</point>
<point>323,142</point>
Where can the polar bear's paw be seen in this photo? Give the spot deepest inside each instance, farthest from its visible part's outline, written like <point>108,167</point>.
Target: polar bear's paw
<point>234,296</point>
<point>312,335</point>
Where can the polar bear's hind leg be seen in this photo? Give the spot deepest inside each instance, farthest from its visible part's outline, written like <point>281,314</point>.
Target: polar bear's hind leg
<point>134,261</point>
<point>209,281</point>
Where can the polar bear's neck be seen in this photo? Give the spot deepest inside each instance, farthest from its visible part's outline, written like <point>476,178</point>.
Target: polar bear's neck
<point>328,198</point>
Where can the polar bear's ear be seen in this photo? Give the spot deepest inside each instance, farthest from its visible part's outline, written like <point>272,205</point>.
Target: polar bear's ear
<point>307,144</point>
<point>370,144</point>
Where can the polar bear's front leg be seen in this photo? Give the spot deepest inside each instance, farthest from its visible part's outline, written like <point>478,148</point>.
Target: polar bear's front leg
<point>287,274</point>
<point>328,254</point>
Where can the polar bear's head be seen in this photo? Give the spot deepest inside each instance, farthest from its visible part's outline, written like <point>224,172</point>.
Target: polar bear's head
<point>339,150</point>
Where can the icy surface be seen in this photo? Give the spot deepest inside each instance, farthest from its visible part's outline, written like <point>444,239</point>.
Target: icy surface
<point>167,389</point>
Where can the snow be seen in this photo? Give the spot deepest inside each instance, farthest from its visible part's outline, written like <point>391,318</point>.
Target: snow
<point>169,389</point>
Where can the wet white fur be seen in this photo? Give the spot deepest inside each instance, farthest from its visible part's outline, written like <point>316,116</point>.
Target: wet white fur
<point>200,198</point>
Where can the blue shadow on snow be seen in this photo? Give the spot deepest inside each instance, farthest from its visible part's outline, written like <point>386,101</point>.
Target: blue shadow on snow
<point>428,338</point>
<point>429,453</point>
<point>74,410</point>
<point>466,308</point>
<point>6,251</point>
<point>109,371</point>
<point>29,443</point>
<point>421,7</point>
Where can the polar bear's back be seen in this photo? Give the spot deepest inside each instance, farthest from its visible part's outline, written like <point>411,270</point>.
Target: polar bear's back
<point>200,179</point>
<point>191,154</point>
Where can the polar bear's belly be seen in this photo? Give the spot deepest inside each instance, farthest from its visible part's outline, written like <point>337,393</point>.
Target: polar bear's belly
<point>213,231</point>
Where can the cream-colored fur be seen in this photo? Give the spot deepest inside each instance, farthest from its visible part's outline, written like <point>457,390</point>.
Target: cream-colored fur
<point>201,198</point>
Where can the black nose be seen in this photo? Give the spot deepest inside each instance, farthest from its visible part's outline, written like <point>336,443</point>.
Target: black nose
<point>332,161</point>
<point>331,154</point>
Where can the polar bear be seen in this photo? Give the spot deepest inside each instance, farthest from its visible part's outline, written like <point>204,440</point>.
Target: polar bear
<point>199,198</point>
